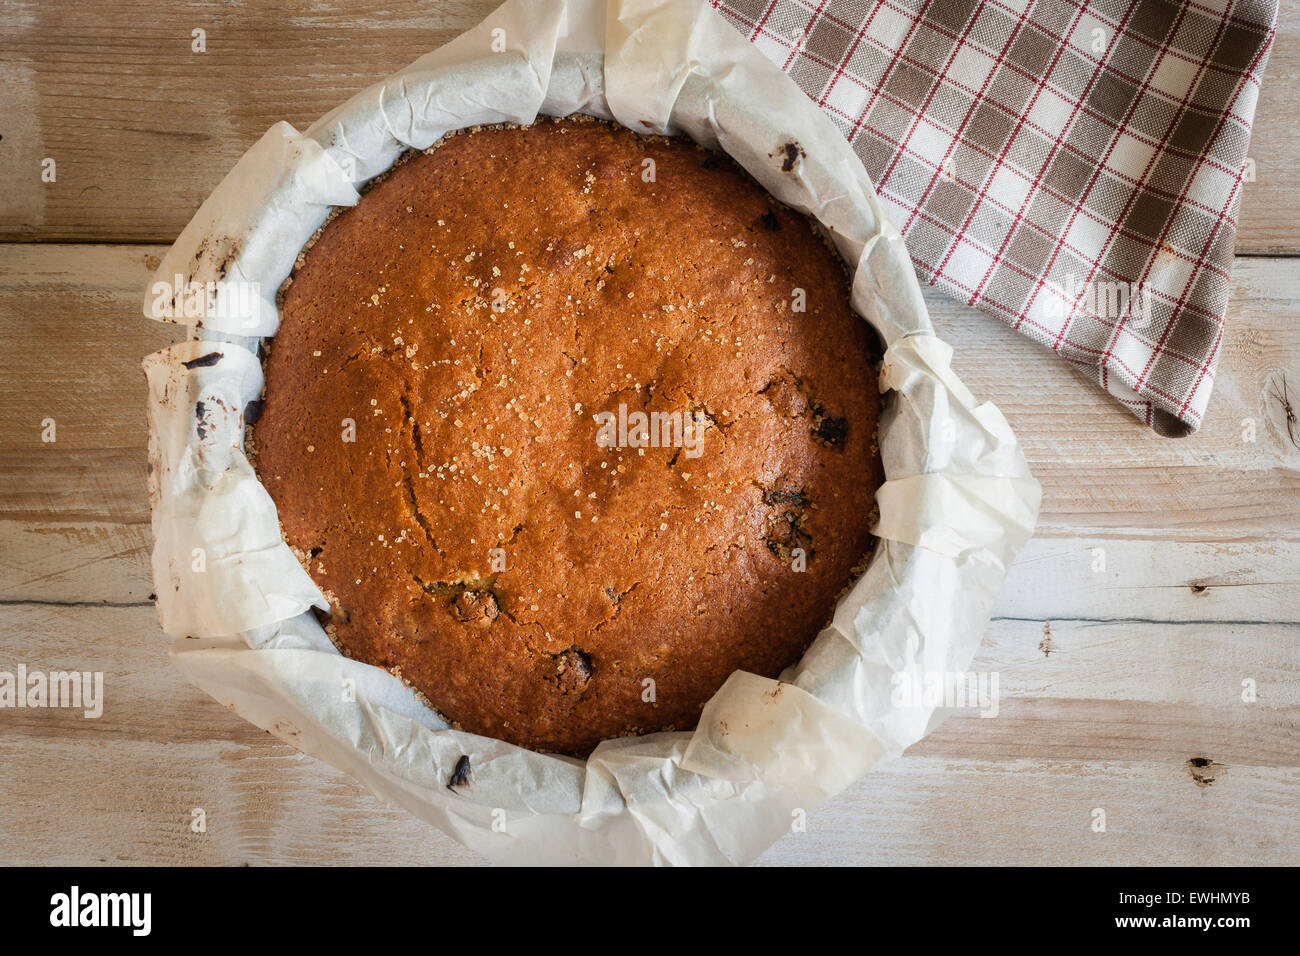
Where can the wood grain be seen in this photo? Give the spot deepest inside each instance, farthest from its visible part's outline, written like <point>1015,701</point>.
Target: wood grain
<point>1162,583</point>
<point>1267,220</point>
<point>1107,719</point>
<point>142,128</point>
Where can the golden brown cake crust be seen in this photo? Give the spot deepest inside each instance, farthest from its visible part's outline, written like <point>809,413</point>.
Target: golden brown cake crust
<point>472,315</point>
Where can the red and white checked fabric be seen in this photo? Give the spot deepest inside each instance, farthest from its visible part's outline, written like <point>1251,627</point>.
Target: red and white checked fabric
<point>1072,167</point>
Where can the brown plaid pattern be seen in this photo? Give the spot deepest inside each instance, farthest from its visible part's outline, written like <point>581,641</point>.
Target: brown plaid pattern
<point>1073,168</point>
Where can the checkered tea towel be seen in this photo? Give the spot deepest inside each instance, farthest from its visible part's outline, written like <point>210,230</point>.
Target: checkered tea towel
<point>1071,167</point>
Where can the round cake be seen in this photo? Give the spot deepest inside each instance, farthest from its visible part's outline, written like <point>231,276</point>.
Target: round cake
<point>569,424</point>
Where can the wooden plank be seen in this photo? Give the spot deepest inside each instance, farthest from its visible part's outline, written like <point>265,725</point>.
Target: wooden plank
<point>1143,579</point>
<point>142,128</point>
<point>1065,743</point>
<point>129,802</point>
<point>264,805</point>
<point>73,337</point>
<point>1051,728</point>
<point>940,812</point>
<point>1103,473</point>
<point>1064,665</point>
<point>144,696</point>
<point>1268,206</point>
<point>46,559</point>
<point>1153,579</point>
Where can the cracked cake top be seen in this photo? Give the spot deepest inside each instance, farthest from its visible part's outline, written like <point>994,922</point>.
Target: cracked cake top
<point>569,424</point>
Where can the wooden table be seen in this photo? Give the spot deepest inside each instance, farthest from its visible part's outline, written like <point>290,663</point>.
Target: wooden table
<point>1122,688</point>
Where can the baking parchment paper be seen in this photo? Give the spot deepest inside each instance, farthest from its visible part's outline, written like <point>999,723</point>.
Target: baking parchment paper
<point>957,505</point>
